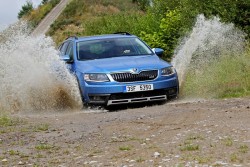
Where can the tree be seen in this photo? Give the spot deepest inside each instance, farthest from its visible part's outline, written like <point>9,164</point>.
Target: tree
<point>26,9</point>
<point>44,1</point>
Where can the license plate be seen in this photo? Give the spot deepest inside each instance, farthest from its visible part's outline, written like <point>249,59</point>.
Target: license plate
<point>139,88</point>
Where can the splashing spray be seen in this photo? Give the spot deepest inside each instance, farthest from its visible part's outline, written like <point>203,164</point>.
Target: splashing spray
<point>209,39</point>
<point>31,75</point>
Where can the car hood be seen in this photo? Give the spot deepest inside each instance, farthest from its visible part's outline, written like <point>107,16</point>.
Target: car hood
<point>118,64</point>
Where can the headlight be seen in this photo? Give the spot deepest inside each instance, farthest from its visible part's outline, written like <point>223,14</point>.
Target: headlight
<point>167,71</point>
<point>96,77</point>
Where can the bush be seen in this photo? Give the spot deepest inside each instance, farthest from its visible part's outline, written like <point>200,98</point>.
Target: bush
<point>114,23</point>
<point>230,11</point>
<point>26,9</point>
<point>171,29</point>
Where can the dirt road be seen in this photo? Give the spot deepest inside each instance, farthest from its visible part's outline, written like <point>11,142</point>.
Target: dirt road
<point>178,133</point>
<point>44,25</point>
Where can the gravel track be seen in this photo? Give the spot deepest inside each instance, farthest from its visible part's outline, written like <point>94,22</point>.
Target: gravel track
<point>178,133</point>
<point>44,25</point>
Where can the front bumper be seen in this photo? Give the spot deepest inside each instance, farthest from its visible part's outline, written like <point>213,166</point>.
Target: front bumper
<point>112,93</point>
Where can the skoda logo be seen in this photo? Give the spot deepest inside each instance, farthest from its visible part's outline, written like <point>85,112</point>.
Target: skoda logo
<point>134,70</point>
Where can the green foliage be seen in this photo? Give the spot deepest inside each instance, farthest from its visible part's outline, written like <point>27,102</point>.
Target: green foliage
<point>75,13</point>
<point>234,157</point>
<point>43,147</point>
<point>26,9</point>
<point>6,121</point>
<point>190,147</point>
<point>125,148</point>
<point>171,29</point>
<point>71,9</point>
<point>230,11</point>
<point>122,22</point>
<point>243,149</point>
<point>41,127</point>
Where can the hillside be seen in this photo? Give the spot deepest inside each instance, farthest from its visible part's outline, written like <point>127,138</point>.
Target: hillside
<point>162,24</point>
<point>80,17</point>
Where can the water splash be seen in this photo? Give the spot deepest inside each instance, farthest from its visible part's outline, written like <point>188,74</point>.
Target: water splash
<point>208,40</point>
<point>31,75</point>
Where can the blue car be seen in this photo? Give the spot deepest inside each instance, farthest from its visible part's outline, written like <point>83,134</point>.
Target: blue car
<point>118,69</point>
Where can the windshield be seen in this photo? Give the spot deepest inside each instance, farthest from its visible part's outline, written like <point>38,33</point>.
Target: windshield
<point>113,47</point>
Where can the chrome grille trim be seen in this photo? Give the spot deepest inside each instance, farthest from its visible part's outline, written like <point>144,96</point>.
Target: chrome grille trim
<point>137,100</point>
<point>130,77</point>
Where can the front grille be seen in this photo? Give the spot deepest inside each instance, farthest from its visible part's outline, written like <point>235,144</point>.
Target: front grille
<point>129,77</point>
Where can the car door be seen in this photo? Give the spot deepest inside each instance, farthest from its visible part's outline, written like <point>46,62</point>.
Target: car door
<point>70,52</point>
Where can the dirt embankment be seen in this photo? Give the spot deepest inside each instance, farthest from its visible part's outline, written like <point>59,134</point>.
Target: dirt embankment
<point>178,133</point>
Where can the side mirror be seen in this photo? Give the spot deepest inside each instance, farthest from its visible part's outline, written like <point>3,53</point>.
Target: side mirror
<point>66,58</point>
<point>158,51</point>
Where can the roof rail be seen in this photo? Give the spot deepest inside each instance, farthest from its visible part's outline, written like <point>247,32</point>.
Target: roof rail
<point>122,33</point>
<point>75,37</point>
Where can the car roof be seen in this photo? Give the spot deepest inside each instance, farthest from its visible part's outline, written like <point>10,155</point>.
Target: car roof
<point>96,37</point>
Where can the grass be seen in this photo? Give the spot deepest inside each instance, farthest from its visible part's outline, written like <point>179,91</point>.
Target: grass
<point>7,123</point>
<point>95,17</point>
<point>190,147</point>
<point>201,159</point>
<point>14,152</point>
<point>43,147</point>
<point>125,148</point>
<point>41,127</point>
<point>228,141</point>
<point>188,143</point>
<point>140,160</point>
<point>243,149</point>
<point>39,156</point>
<point>227,77</point>
<point>234,157</point>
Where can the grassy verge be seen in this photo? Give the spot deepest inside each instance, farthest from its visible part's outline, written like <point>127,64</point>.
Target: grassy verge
<point>6,121</point>
<point>226,77</point>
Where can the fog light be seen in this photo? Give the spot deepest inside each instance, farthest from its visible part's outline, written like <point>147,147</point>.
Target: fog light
<point>97,98</point>
<point>171,91</point>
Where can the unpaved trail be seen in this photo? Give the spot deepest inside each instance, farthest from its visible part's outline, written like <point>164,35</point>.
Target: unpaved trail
<point>178,133</point>
<point>44,25</point>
